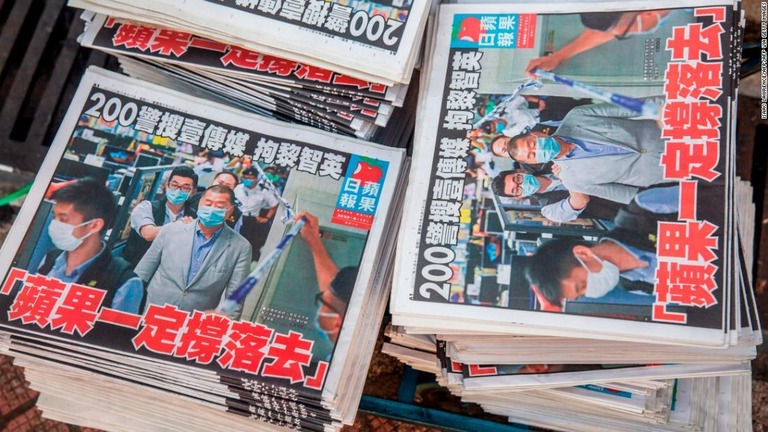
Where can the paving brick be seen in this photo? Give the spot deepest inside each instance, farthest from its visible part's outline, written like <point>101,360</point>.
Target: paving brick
<point>14,390</point>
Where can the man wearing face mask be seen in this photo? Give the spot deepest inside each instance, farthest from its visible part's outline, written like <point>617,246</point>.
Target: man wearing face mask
<point>567,269</point>
<point>601,28</point>
<point>224,178</point>
<point>149,216</point>
<point>253,198</point>
<point>518,184</point>
<point>83,211</point>
<point>601,150</point>
<point>558,205</point>
<point>334,286</point>
<point>194,265</point>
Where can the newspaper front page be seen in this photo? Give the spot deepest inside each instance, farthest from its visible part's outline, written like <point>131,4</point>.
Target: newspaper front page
<point>123,146</point>
<point>573,165</point>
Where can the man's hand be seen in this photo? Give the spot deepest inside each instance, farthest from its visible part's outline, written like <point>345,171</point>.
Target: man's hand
<point>260,219</point>
<point>187,219</point>
<point>556,170</point>
<point>546,63</point>
<point>578,200</point>
<point>311,229</point>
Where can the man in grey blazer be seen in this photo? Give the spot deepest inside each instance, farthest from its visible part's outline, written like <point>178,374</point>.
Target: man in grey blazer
<point>191,265</point>
<point>601,150</point>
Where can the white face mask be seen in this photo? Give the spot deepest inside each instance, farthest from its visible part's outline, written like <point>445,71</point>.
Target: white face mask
<point>62,237</point>
<point>602,282</point>
<point>659,22</point>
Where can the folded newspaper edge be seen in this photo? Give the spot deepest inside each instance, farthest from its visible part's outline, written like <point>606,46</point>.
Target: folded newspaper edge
<point>360,43</point>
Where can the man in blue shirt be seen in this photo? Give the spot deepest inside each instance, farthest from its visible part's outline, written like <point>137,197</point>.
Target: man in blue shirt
<point>224,178</point>
<point>600,150</point>
<point>82,213</point>
<point>194,265</point>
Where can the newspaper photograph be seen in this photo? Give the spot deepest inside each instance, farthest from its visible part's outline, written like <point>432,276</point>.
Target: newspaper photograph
<point>167,228</point>
<point>575,164</point>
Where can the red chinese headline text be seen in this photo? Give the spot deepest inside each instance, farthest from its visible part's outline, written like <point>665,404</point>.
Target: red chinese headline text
<point>692,120</point>
<point>200,337</point>
<point>175,43</point>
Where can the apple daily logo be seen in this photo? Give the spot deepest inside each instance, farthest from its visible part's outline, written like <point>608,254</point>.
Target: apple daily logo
<point>493,31</point>
<point>360,191</point>
<point>469,29</point>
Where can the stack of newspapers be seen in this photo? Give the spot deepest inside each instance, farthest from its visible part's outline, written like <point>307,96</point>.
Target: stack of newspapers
<point>200,334</point>
<point>342,66</point>
<point>575,251</point>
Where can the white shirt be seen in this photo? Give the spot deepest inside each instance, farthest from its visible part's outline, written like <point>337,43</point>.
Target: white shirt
<point>518,116</point>
<point>216,166</point>
<point>252,201</point>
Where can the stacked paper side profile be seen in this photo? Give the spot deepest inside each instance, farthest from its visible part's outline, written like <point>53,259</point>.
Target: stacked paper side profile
<point>294,88</point>
<point>362,39</point>
<point>562,147</point>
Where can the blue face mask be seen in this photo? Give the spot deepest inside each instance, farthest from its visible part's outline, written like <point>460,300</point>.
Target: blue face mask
<point>530,185</point>
<point>211,216</point>
<point>547,149</point>
<point>176,197</point>
<point>249,183</point>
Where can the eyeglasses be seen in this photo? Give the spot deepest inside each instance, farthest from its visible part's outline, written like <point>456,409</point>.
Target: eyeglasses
<point>517,180</point>
<point>176,186</point>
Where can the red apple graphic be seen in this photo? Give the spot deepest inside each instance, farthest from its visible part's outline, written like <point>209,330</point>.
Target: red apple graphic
<point>470,30</point>
<point>367,173</point>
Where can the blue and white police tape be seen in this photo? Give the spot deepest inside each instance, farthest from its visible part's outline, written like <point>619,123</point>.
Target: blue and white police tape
<point>642,107</point>
<point>288,214</point>
<point>498,110</point>
<point>230,304</point>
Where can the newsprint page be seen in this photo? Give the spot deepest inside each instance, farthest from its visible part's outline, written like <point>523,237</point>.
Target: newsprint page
<point>592,140</point>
